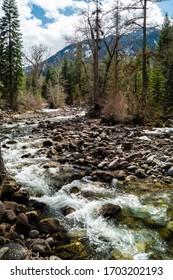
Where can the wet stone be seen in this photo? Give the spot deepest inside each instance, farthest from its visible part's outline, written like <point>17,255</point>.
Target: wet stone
<point>21,196</point>
<point>8,189</point>
<point>10,216</point>
<point>47,143</point>
<point>110,211</point>
<point>33,233</point>
<point>41,246</point>
<point>13,251</point>
<point>170,171</point>
<point>2,209</point>
<point>49,225</point>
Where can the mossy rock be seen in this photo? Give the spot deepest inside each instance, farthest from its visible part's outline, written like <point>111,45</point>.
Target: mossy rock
<point>117,255</point>
<point>72,251</point>
<point>170,226</point>
<point>141,247</point>
<point>165,234</point>
<point>50,225</point>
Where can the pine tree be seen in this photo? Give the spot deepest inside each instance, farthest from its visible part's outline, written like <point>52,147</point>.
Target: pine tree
<point>11,71</point>
<point>165,59</point>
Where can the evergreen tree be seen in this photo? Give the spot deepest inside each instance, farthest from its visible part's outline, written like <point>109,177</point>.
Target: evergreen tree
<point>11,71</point>
<point>165,59</point>
<point>68,80</point>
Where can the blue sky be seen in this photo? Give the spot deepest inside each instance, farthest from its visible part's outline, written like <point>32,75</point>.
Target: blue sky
<point>49,21</point>
<point>167,6</point>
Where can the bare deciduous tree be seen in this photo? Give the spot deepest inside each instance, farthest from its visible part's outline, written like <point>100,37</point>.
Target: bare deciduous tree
<point>37,60</point>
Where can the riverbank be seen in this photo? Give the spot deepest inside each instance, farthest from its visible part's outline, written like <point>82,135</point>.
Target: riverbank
<point>124,159</point>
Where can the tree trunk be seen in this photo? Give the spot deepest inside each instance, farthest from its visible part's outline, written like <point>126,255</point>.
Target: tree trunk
<point>144,58</point>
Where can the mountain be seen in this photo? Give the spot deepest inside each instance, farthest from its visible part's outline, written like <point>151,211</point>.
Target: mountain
<point>130,43</point>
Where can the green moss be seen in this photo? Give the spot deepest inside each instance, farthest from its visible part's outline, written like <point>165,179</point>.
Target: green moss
<point>72,251</point>
<point>117,255</point>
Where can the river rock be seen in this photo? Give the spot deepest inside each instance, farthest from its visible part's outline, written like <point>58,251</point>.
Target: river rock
<point>13,251</point>
<point>47,143</point>
<point>2,210</point>
<point>114,164</point>
<point>170,171</point>
<point>49,225</point>
<point>27,155</point>
<point>12,142</point>
<point>110,211</point>
<point>67,210</point>
<point>127,146</point>
<point>22,225</point>
<point>8,189</point>
<point>21,196</point>
<point>40,246</point>
<point>10,216</point>
<point>38,205</point>
<point>150,158</point>
<point>2,241</point>
<point>72,251</point>
<point>33,233</point>
<point>104,175</point>
<point>140,173</point>
<point>58,138</point>
<point>4,228</point>
<point>121,174</point>
<point>170,226</point>
<point>33,218</point>
<point>16,207</point>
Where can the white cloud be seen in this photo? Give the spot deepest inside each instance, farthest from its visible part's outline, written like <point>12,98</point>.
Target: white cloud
<point>52,34</point>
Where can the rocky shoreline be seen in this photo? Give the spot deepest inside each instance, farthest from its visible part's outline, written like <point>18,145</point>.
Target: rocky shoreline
<point>117,155</point>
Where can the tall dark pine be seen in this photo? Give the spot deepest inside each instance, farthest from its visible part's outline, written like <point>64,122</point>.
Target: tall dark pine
<point>11,72</point>
<point>165,58</point>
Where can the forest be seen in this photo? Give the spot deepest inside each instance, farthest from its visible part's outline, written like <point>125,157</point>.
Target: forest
<point>119,86</point>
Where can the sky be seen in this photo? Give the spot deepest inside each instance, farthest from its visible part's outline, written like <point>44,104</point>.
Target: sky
<point>49,21</point>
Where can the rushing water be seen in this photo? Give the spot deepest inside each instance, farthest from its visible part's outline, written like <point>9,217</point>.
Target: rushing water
<point>144,217</point>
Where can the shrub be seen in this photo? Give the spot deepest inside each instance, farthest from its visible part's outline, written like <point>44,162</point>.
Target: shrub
<point>28,101</point>
<point>116,109</point>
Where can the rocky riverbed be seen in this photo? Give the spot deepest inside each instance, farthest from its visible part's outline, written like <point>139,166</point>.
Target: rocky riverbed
<point>120,159</point>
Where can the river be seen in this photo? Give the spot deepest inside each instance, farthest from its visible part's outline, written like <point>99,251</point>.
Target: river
<point>142,231</point>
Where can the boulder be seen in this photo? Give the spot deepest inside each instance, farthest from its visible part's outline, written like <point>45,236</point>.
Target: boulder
<point>67,210</point>
<point>13,251</point>
<point>47,143</point>
<point>22,225</point>
<point>114,164</point>
<point>2,210</point>
<point>72,251</point>
<point>10,216</point>
<point>12,205</point>
<point>110,211</point>
<point>21,196</point>
<point>8,189</point>
<point>104,175</point>
<point>49,225</point>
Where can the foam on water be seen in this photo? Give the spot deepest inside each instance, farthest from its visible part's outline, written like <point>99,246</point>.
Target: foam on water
<point>104,234</point>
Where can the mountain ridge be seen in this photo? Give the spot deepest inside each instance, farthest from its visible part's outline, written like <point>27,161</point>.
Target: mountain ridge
<point>130,43</point>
